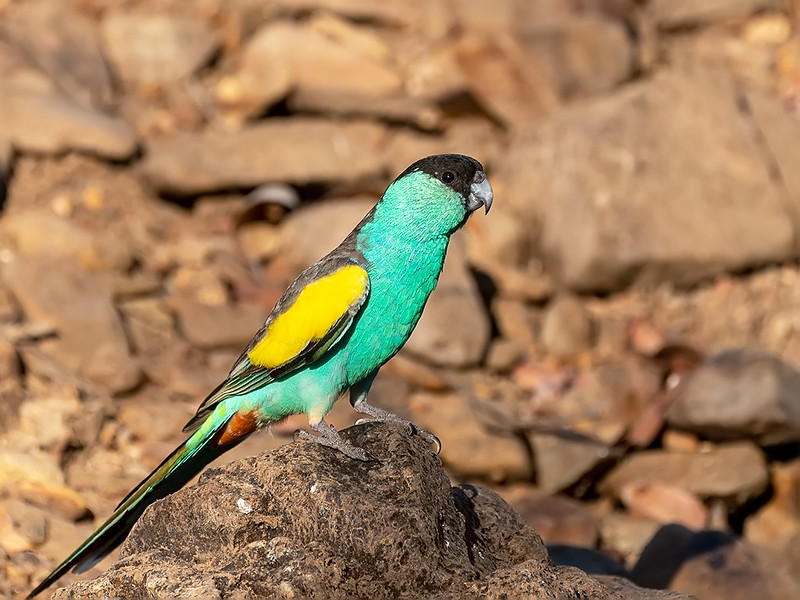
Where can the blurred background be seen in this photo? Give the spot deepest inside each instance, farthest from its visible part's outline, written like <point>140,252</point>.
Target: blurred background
<point>613,349</point>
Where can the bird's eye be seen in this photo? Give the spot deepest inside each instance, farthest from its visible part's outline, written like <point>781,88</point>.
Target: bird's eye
<point>448,177</point>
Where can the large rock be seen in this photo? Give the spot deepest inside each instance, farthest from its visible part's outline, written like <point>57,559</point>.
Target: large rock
<point>740,393</point>
<point>297,150</point>
<point>152,50</point>
<point>665,180</point>
<point>306,521</point>
<point>714,565</point>
<point>51,123</point>
<point>63,43</point>
<point>283,56</point>
<point>691,13</point>
<point>735,471</point>
<point>91,339</point>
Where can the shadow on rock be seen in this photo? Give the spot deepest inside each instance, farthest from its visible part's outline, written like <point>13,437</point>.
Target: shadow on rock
<point>304,521</point>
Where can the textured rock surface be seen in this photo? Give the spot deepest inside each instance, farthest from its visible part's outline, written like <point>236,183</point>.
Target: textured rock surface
<point>640,208</point>
<point>738,394</point>
<point>305,521</point>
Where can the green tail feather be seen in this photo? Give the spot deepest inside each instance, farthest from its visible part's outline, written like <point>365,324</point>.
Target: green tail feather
<point>176,471</point>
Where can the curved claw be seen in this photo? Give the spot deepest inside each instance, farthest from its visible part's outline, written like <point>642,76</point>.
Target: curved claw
<point>412,430</point>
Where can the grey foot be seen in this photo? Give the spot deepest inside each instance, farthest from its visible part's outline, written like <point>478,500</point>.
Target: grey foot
<point>379,414</point>
<point>328,436</point>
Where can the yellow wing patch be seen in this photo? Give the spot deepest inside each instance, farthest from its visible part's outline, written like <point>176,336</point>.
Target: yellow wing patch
<point>312,315</point>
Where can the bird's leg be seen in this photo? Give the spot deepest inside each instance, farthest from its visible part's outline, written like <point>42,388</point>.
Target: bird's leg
<point>358,399</point>
<point>328,436</point>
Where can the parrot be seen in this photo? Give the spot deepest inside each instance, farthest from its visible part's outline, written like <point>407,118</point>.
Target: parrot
<point>329,333</point>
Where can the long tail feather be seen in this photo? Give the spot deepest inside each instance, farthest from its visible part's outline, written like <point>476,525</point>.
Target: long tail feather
<point>176,471</point>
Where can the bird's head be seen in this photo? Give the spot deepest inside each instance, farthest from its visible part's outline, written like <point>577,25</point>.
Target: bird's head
<point>435,195</point>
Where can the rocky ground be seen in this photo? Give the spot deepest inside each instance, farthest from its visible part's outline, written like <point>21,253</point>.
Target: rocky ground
<point>614,350</point>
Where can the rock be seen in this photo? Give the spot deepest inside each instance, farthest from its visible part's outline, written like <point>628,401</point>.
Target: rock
<point>562,460</point>
<point>740,393</point>
<point>558,519</point>
<point>15,537</point>
<point>243,533</point>
<point>297,150</point>
<point>736,471</point>
<point>50,418</point>
<point>52,124</point>
<point>566,327</point>
<point>625,588</point>
<point>454,329</point>
<point>778,521</point>
<point>156,49</point>
<point>664,503</point>
<point>504,354</point>
<point>711,565</point>
<point>780,129</point>
<point>583,184</point>
<point>394,109</point>
<point>228,326</point>
<point>91,341</point>
<point>283,56</point>
<point>505,81</point>
<point>18,465</point>
<point>39,233</point>
<point>582,54</point>
<point>468,449</point>
<point>626,534</point>
<point>592,561</point>
<point>53,498</point>
<point>308,234</point>
<point>63,43</point>
<point>686,13</point>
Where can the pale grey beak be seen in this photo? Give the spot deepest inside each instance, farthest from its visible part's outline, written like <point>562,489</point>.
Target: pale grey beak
<point>480,193</point>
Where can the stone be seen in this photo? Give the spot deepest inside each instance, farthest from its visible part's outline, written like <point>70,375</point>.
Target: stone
<point>417,112</point>
<point>298,150</point>
<point>686,13</point>
<point>558,519</point>
<point>740,393</point>
<point>605,217</point>
<point>53,498</point>
<point>91,340</point>
<point>778,521</point>
<point>228,326</point>
<point>64,44</point>
<point>626,535</point>
<point>468,449</point>
<point>562,460</point>
<point>152,50</point>
<point>505,81</point>
<point>592,561</point>
<point>283,56</point>
<point>40,233</point>
<point>665,503</point>
<point>309,233</point>
<point>52,124</point>
<point>50,418</point>
<point>582,54</point>
<point>28,466</point>
<point>780,129</point>
<point>566,327</point>
<point>735,471</point>
<point>712,565</point>
<point>243,533</point>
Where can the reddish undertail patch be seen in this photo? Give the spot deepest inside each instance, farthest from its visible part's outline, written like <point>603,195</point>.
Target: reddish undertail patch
<point>239,425</point>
